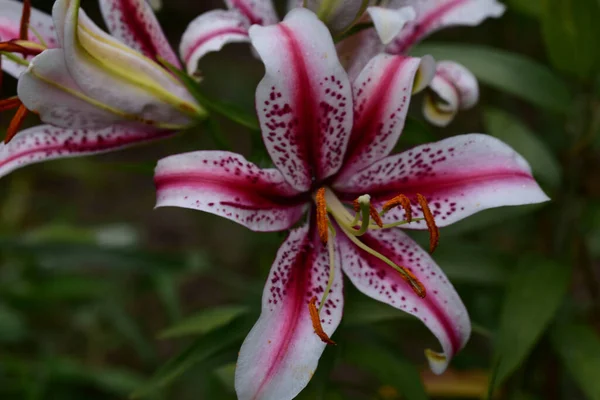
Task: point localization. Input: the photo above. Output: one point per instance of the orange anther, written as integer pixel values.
(414, 283)
(322, 225)
(316, 321)
(10, 103)
(375, 216)
(402, 201)
(15, 124)
(356, 205)
(434, 231)
(25, 15)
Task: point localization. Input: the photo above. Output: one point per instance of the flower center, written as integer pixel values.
(331, 212)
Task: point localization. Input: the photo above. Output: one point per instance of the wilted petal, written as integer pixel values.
(304, 102)
(260, 12)
(389, 22)
(433, 15)
(134, 23)
(441, 310)
(10, 19)
(45, 142)
(281, 352)
(210, 32)
(382, 95)
(112, 73)
(458, 176)
(225, 184)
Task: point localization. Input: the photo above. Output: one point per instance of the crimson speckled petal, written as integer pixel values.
(226, 184)
(281, 353)
(261, 12)
(304, 102)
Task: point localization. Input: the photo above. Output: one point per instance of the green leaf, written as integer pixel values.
(532, 8)
(388, 366)
(511, 131)
(570, 29)
(12, 325)
(533, 295)
(579, 349)
(508, 72)
(207, 346)
(204, 322)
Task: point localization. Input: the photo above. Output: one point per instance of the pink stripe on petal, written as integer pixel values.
(441, 310)
(259, 12)
(433, 15)
(45, 142)
(304, 101)
(210, 32)
(382, 95)
(458, 176)
(225, 184)
(134, 23)
(281, 352)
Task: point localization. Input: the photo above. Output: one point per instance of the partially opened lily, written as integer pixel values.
(397, 29)
(330, 142)
(214, 29)
(96, 92)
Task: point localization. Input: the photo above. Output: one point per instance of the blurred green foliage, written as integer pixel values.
(101, 298)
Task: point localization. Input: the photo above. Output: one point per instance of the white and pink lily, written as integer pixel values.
(95, 92)
(330, 141)
(400, 24)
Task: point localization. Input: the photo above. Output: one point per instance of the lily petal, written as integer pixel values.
(304, 102)
(281, 352)
(454, 87)
(10, 18)
(381, 98)
(225, 184)
(260, 12)
(134, 23)
(441, 310)
(45, 142)
(433, 15)
(112, 73)
(389, 22)
(458, 176)
(210, 32)
(356, 51)
(338, 14)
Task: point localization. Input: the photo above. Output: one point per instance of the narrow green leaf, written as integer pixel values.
(388, 366)
(510, 130)
(533, 295)
(207, 346)
(508, 72)
(204, 322)
(579, 349)
(571, 31)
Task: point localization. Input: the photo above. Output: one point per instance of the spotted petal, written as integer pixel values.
(225, 184)
(458, 176)
(441, 310)
(260, 12)
(281, 352)
(10, 19)
(433, 15)
(210, 32)
(114, 74)
(45, 142)
(454, 87)
(382, 95)
(304, 102)
(134, 23)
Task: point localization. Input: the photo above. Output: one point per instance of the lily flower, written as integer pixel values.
(330, 142)
(94, 92)
(400, 24)
(214, 29)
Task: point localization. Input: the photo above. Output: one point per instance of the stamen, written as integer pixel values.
(414, 283)
(22, 47)
(331, 269)
(316, 322)
(375, 216)
(15, 124)
(399, 201)
(364, 204)
(24, 27)
(434, 231)
(10, 103)
(322, 224)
